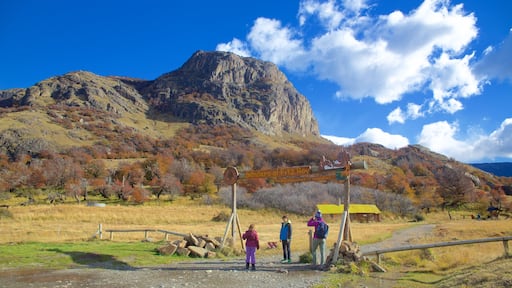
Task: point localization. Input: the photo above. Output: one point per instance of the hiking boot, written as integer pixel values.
(253, 268)
(289, 261)
(247, 266)
(284, 260)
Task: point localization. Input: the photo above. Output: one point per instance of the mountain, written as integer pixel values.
(499, 169)
(221, 87)
(217, 110)
(210, 88)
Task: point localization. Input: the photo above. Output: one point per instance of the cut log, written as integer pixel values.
(191, 240)
(197, 251)
(201, 243)
(212, 240)
(169, 249)
(210, 247)
(377, 268)
(180, 243)
(183, 251)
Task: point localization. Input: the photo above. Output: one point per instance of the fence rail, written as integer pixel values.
(145, 230)
(441, 244)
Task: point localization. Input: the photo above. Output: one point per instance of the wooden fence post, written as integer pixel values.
(505, 246)
(100, 231)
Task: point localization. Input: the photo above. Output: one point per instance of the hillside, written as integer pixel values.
(179, 131)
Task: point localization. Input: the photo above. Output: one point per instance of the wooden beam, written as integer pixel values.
(277, 172)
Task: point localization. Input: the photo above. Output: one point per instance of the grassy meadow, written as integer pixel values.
(53, 235)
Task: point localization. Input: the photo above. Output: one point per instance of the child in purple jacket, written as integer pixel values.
(252, 243)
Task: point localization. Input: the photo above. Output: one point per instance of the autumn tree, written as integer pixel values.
(453, 186)
(167, 184)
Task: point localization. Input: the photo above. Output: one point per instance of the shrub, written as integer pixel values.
(302, 198)
(221, 217)
(4, 213)
(306, 258)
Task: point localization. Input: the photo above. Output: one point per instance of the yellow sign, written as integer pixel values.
(277, 173)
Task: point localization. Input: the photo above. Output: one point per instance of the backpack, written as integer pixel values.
(322, 230)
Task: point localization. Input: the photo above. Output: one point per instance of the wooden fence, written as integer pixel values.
(145, 230)
(377, 253)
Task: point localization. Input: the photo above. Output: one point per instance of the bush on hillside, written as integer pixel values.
(302, 198)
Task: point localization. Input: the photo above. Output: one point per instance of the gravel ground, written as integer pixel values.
(190, 274)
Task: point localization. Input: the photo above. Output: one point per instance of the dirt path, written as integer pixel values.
(401, 238)
(205, 273)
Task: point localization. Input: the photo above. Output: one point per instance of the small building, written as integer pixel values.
(363, 213)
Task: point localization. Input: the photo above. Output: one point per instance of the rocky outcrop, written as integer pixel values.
(85, 89)
(211, 88)
(221, 87)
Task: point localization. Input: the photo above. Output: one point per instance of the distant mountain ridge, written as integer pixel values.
(210, 88)
(503, 169)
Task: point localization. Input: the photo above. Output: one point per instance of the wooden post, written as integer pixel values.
(240, 232)
(231, 177)
(346, 206)
(111, 235)
(100, 231)
(145, 234)
(233, 212)
(505, 246)
(345, 233)
(230, 221)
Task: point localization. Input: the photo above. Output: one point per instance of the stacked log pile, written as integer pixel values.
(192, 245)
(350, 252)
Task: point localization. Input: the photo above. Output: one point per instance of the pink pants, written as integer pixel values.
(250, 255)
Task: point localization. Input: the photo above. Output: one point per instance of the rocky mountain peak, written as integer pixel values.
(230, 68)
(222, 87)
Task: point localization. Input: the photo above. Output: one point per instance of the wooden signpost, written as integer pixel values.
(337, 170)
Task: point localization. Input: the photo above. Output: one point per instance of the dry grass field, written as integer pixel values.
(75, 223)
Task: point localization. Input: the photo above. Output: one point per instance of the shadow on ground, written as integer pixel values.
(95, 260)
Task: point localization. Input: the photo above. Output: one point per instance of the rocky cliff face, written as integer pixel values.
(211, 87)
(85, 89)
(221, 87)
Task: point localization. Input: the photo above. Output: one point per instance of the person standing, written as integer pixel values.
(252, 243)
(285, 236)
(321, 230)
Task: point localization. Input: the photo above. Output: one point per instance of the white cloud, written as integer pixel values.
(236, 46)
(343, 141)
(276, 44)
(372, 135)
(328, 12)
(441, 137)
(414, 111)
(396, 116)
(383, 57)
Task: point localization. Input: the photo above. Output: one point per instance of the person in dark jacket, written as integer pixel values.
(252, 243)
(285, 236)
(317, 241)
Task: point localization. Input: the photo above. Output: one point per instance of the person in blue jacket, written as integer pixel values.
(285, 236)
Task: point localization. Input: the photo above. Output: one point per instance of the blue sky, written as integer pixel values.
(436, 73)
